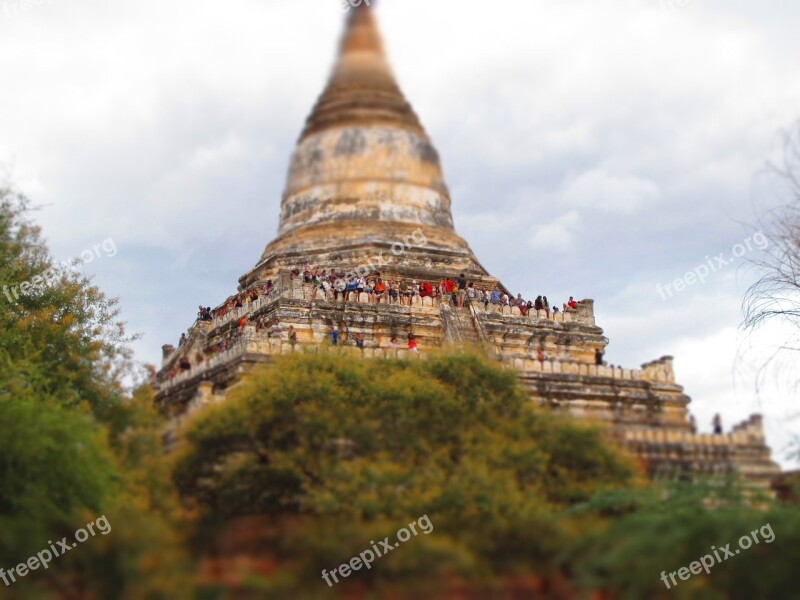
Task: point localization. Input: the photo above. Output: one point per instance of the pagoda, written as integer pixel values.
(366, 194)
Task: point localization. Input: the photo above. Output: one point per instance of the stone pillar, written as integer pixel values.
(586, 311)
(167, 350)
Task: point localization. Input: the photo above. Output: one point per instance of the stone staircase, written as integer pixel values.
(459, 325)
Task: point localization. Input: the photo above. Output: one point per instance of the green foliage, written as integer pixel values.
(360, 447)
(63, 340)
(73, 444)
(53, 464)
(333, 453)
(674, 527)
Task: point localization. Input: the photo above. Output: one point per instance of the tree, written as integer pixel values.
(352, 449)
(61, 336)
(662, 530)
(774, 298)
(74, 445)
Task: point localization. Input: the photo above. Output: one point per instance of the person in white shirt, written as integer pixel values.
(339, 286)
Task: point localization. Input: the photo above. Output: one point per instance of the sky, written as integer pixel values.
(592, 148)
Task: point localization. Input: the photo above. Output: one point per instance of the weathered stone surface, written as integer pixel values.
(365, 177)
(365, 189)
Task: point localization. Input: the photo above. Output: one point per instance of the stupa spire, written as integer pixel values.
(362, 89)
(365, 177)
(361, 32)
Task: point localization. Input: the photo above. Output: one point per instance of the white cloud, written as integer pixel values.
(598, 190)
(557, 236)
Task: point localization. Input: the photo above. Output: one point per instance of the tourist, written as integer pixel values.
(462, 281)
(393, 293)
(315, 285)
(361, 285)
(546, 306)
(380, 290)
(360, 340)
(393, 343)
(571, 306)
(461, 294)
(370, 290)
(717, 424)
(460, 289)
(292, 335)
(339, 287)
(403, 291)
(412, 343)
(496, 294)
(351, 288)
(334, 333)
(471, 293)
(325, 286)
(275, 330)
(540, 355)
(448, 285)
(182, 341)
(598, 357)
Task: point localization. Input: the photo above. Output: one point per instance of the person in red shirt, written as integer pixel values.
(380, 290)
(412, 342)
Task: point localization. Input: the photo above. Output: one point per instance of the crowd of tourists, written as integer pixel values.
(331, 285)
